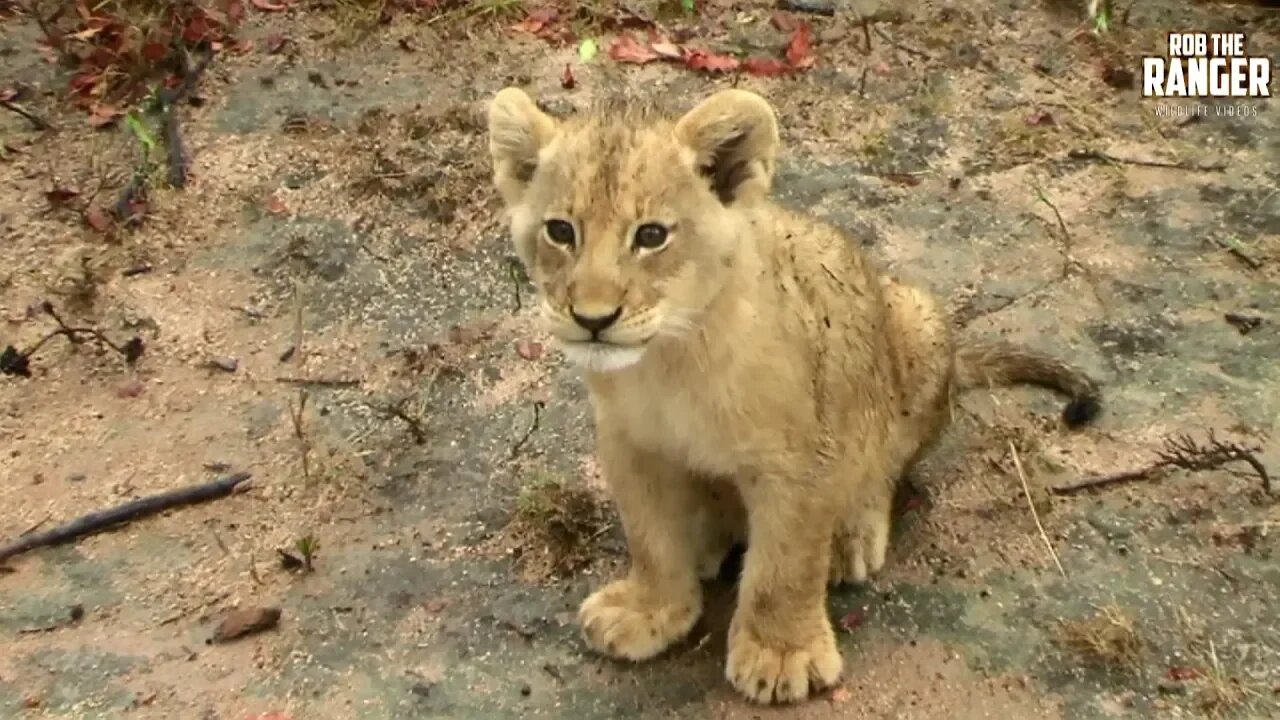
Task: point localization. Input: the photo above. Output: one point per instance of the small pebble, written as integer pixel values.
(226, 364)
(525, 690)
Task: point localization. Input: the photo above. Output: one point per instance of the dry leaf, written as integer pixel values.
(711, 62)
(276, 206)
(97, 218)
(239, 623)
(765, 67)
(274, 43)
(800, 48)
(529, 349)
(566, 79)
(60, 195)
(266, 6)
(841, 695)
(625, 49)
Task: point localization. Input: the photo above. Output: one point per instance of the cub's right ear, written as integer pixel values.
(518, 130)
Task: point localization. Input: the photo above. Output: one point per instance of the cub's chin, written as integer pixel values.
(602, 357)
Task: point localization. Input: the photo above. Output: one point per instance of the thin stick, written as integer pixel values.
(1099, 156)
(1098, 481)
(103, 519)
(36, 121)
(1035, 515)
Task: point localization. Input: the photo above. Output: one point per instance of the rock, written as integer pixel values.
(226, 364)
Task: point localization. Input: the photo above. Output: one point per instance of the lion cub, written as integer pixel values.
(752, 376)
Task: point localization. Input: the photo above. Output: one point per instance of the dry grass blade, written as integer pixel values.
(1026, 491)
(1109, 637)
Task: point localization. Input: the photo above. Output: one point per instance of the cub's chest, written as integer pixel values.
(685, 424)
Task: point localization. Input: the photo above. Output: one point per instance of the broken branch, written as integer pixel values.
(36, 121)
(1099, 156)
(104, 519)
(1183, 452)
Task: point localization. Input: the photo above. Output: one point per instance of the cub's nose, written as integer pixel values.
(596, 324)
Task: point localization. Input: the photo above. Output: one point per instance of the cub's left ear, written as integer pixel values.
(734, 137)
(518, 130)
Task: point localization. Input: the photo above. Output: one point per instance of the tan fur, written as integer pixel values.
(763, 381)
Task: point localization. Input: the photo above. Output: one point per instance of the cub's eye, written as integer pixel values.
(560, 232)
(650, 236)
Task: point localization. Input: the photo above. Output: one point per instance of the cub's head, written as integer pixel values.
(628, 220)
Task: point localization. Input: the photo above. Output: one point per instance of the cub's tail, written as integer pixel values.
(983, 363)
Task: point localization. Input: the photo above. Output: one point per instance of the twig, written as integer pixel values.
(36, 121)
(904, 48)
(1234, 247)
(169, 99)
(397, 411)
(13, 362)
(1099, 156)
(319, 382)
(35, 527)
(1098, 481)
(104, 519)
(1026, 490)
(1180, 451)
(533, 427)
(513, 271)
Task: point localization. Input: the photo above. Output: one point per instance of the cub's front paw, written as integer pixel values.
(860, 547)
(623, 620)
(782, 674)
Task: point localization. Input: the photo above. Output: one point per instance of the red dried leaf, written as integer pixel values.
(853, 620)
(625, 49)
(84, 83)
(566, 79)
(235, 11)
(765, 67)
(1181, 673)
(529, 349)
(783, 21)
(841, 695)
(7, 94)
(800, 48)
(536, 21)
(101, 115)
(196, 30)
(274, 43)
(97, 218)
(154, 51)
(267, 6)
(881, 68)
(1040, 117)
(276, 206)
(710, 62)
(60, 195)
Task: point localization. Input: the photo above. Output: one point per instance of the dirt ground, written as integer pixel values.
(434, 449)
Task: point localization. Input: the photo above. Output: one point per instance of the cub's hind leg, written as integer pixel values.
(920, 350)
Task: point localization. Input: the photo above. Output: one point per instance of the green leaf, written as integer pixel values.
(587, 50)
(140, 131)
(689, 7)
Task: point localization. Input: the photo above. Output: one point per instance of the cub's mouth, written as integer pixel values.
(601, 355)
